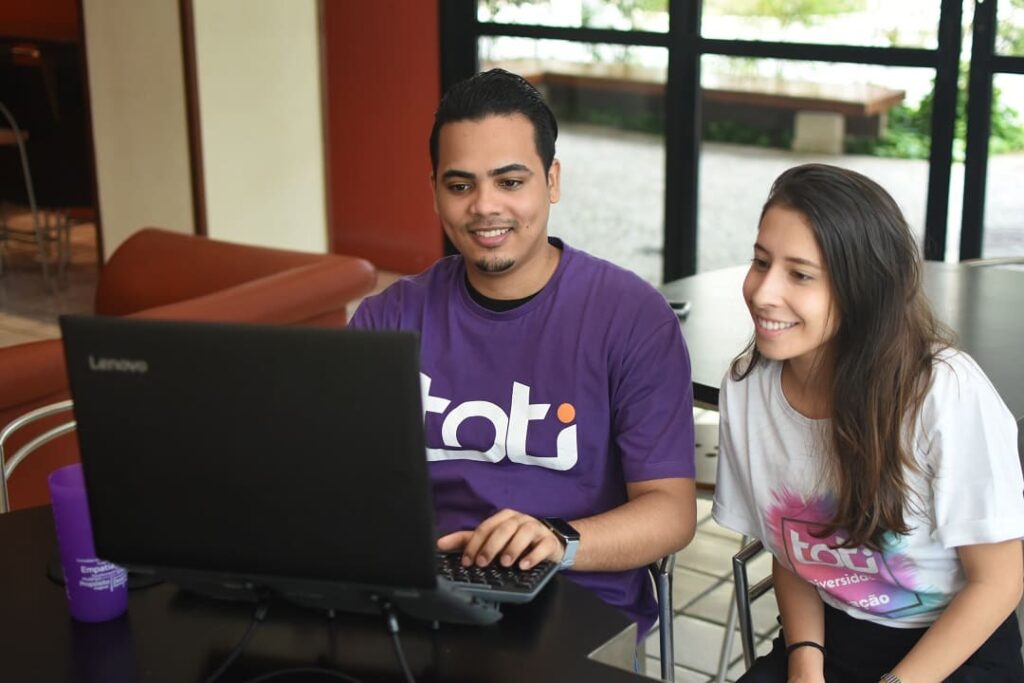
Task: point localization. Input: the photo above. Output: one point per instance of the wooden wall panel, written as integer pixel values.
(381, 71)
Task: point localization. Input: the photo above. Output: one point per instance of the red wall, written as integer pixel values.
(382, 83)
(55, 20)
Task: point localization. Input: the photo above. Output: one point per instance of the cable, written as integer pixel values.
(305, 670)
(392, 623)
(257, 618)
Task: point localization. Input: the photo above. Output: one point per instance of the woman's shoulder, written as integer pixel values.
(960, 387)
(954, 369)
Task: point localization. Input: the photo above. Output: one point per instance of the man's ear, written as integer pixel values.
(433, 190)
(554, 181)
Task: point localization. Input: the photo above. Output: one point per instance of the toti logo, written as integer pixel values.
(509, 428)
(871, 581)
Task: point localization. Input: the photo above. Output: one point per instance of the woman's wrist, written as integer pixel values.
(805, 663)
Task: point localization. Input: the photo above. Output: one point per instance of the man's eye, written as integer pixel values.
(510, 183)
(458, 187)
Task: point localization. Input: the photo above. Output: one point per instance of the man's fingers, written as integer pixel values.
(526, 537)
(506, 536)
(494, 543)
(454, 541)
(548, 548)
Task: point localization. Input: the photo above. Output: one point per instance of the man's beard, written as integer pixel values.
(497, 264)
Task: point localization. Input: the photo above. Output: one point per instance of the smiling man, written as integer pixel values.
(556, 386)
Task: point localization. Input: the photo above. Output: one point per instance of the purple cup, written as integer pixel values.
(97, 590)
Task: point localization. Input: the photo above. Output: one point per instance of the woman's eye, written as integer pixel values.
(759, 263)
(801, 277)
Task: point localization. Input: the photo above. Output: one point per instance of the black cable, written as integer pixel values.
(392, 623)
(257, 618)
(305, 670)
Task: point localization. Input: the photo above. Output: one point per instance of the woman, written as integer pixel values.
(873, 459)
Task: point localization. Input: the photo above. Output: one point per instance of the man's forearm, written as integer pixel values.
(659, 518)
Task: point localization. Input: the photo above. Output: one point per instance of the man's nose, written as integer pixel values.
(486, 200)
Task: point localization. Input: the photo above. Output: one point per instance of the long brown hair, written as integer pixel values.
(884, 348)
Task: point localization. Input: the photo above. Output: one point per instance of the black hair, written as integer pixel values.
(497, 93)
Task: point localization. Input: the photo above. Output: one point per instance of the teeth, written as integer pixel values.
(492, 233)
(773, 326)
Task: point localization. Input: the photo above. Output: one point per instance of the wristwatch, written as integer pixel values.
(569, 537)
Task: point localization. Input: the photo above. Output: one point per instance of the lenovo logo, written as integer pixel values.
(118, 365)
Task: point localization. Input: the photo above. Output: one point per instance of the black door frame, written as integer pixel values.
(985, 63)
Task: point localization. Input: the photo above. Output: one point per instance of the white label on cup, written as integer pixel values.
(98, 575)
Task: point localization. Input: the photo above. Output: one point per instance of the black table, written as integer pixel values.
(169, 635)
(983, 305)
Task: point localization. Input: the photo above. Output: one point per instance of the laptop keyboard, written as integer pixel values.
(494, 582)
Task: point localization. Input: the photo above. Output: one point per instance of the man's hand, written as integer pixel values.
(506, 536)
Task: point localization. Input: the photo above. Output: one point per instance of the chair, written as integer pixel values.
(35, 442)
(161, 274)
(48, 227)
(661, 571)
(746, 594)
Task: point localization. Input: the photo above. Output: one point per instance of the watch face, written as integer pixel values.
(562, 528)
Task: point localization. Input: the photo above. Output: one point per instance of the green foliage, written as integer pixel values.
(788, 12)
(742, 134)
(1010, 37)
(613, 118)
(909, 132)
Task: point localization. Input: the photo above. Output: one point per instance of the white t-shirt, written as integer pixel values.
(971, 491)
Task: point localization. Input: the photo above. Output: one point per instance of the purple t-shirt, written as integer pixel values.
(551, 407)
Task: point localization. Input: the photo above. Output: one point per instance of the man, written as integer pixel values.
(556, 386)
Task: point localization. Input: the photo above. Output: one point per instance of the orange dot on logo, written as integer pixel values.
(566, 413)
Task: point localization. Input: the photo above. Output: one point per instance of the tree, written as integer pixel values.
(788, 12)
(1010, 36)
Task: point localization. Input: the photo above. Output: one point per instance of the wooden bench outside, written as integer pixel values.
(820, 115)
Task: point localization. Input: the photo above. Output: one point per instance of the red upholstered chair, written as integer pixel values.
(168, 275)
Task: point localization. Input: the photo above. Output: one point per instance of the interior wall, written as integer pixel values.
(382, 80)
(140, 135)
(258, 77)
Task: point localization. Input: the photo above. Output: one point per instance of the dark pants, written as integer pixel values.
(861, 651)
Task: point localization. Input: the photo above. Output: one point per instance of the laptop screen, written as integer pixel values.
(248, 450)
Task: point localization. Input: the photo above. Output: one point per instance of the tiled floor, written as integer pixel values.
(702, 586)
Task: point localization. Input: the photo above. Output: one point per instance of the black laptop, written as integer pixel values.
(239, 459)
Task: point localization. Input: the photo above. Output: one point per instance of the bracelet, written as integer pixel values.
(890, 677)
(816, 646)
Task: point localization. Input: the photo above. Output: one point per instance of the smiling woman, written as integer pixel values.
(872, 458)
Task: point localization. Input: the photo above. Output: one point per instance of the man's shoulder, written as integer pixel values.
(609, 280)
(408, 294)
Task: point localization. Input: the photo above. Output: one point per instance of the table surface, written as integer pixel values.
(983, 305)
(169, 635)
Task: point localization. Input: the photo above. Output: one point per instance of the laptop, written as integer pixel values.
(242, 459)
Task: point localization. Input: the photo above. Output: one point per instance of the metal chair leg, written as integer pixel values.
(662, 573)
